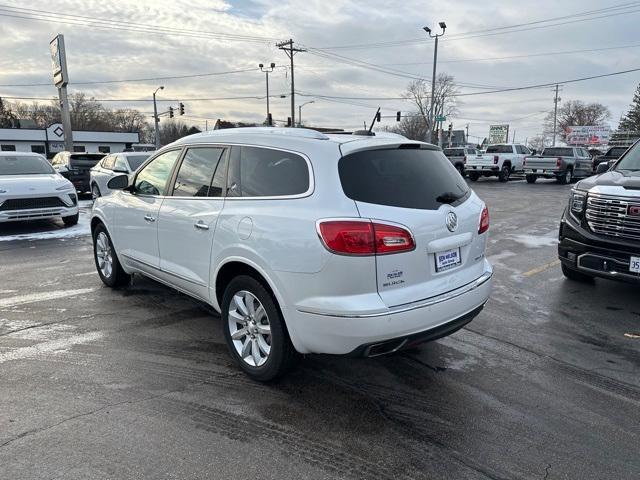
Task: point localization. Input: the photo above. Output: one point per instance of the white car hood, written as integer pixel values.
(32, 184)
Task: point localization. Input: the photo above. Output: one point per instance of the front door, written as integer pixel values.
(188, 218)
(136, 226)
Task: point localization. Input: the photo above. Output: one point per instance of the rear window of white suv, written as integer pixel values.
(402, 177)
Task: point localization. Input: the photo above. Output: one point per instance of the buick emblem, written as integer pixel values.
(451, 221)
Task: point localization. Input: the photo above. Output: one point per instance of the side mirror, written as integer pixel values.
(61, 169)
(602, 168)
(119, 182)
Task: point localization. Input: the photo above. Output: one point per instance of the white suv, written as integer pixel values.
(304, 242)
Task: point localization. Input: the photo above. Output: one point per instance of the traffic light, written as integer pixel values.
(181, 106)
(450, 128)
(378, 117)
(170, 112)
(398, 116)
(269, 120)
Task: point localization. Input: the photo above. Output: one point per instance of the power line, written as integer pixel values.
(100, 82)
(605, 12)
(165, 100)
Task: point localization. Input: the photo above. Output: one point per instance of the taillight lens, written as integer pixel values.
(524, 161)
(496, 158)
(484, 221)
(348, 237)
(464, 160)
(558, 161)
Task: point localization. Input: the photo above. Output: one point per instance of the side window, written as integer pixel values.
(263, 172)
(107, 162)
(120, 164)
(152, 179)
(196, 172)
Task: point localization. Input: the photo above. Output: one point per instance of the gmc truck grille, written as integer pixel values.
(614, 216)
(31, 203)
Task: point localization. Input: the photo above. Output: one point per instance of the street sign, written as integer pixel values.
(58, 61)
(498, 134)
(441, 118)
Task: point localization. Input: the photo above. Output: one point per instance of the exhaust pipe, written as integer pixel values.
(384, 348)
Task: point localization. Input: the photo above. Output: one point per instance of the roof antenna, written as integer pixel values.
(375, 117)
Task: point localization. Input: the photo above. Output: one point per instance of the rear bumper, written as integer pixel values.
(543, 172)
(597, 258)
(356, 334)
(482, 168)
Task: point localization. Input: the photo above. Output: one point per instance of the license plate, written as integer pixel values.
(634, 264)
(449, 259)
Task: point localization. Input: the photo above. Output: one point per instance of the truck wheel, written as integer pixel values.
(566, 177)
(505, 173)
(460, 169)
(532, 178)
(474, 176)
(255, 330)
(576, 276)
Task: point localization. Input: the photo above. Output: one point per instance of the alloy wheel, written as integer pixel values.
(249, 328)
(104, 254)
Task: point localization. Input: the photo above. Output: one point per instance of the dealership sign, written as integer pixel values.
(588, 135)
(58, 61)
(498, 134)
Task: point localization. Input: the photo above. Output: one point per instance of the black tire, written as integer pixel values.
(460, 169)
(282, 354)
(531, 178)
(505, 173)
(71, 220)
(566, 177)
(576, 276)
(95, 192)
(474, 176)
(117, 277)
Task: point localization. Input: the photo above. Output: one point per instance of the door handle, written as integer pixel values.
(149, 218)
(201, 226)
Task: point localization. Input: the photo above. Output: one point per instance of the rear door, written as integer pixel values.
(188, 218)
(419, 189)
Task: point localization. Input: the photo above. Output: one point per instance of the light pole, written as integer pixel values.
(443, 26)
(300, 111)
(156, 120)
(267, 71)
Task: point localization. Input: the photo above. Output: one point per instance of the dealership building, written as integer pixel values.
(49, 141)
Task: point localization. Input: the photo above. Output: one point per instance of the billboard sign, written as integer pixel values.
(588, 134)
(498, 134)
(58, 61)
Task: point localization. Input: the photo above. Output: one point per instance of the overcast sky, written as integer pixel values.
(114, 51)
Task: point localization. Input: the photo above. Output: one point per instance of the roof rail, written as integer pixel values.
(293, 132)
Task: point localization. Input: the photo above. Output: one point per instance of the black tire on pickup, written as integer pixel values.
(531, 178)
(460, 168)
(505, 173)
(474, 176)
(566, 177)
(576, 276)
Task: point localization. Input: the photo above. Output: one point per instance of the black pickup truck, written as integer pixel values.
(612, 154)
(600, 228)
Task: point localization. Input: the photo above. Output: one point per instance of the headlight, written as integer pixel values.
(577, 202)
(66, 186)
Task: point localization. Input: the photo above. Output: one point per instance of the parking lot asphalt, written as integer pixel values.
(137, 383)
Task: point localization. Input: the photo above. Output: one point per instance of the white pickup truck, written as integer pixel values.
(498, 161)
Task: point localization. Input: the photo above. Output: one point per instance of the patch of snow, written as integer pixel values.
(42, 296)
(536, 241)
(49, 347)
(81, 229)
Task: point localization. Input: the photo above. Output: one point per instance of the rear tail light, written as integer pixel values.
(558, 161)
(496, 158)
(484, 221)
(464, 160)
(524, 161)
(352, 237)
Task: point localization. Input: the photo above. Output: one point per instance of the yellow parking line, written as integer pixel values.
(541, 268)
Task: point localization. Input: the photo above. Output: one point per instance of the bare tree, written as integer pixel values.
(538, 142)
(414, 127)
(419, 94)
(172, 130)
(578, 113)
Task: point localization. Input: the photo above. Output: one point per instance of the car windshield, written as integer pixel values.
(558, 152)
(401, 177)
(24, 165)
(136, 160)
(616, 151)
(631, 161)
(453, 152)
(500, 149)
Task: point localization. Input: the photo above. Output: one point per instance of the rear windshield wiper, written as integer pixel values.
(449, 197)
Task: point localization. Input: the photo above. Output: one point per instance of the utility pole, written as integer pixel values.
(288, 48)
(156, 119)
(443, 26)
(267, 71)
(513, 139)
(555, 116)
(467, 128)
